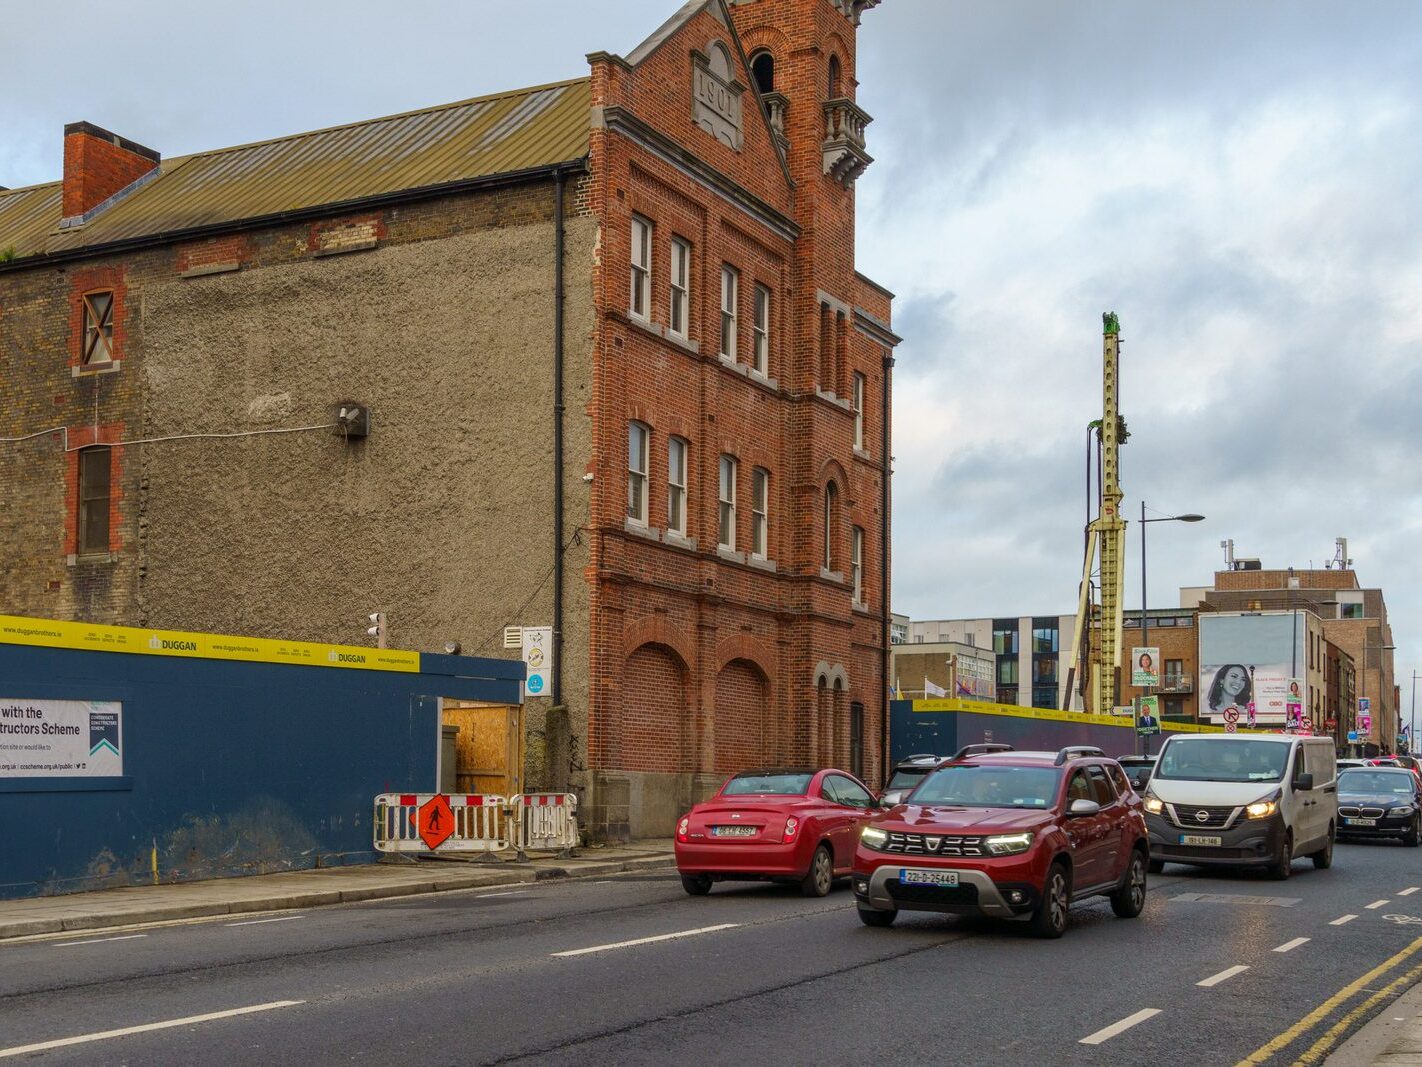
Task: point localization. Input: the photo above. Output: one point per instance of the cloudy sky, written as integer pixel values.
(1238, 180)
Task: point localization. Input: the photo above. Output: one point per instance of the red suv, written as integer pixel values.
(1007, 834)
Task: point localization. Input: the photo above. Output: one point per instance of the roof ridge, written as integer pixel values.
(389, 118)
(6, 193)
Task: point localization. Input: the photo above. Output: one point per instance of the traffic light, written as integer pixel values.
(379, 630)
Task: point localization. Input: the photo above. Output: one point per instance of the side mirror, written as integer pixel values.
(1079, 808)
(1139, 781)
(1304, 781)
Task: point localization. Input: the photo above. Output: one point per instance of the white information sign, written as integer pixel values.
(538, 657)
(60, 738)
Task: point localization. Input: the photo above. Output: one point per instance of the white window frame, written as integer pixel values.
(760, 353)
(760, 513)
(726, 501)
(730, 295)
(679, 302)
(858, 392)
(640, 305)
(637, 477)
(677, 450)
(856, 563)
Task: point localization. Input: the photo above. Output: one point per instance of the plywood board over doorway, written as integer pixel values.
(488, 748)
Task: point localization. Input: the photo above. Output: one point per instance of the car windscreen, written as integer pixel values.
(789, 785)
(1198, 760)
(907, 779)
(1375, 782)
(975, 786)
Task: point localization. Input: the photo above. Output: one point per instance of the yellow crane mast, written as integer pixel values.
(1107, 533)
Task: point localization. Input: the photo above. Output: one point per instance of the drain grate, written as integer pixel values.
(1237, 898)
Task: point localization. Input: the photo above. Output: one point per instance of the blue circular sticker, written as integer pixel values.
(535, 683)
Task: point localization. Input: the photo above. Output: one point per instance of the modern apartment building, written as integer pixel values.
(1032, 653)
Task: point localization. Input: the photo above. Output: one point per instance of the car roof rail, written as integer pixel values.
(1073, 751)
(920, 755)
(979, 750)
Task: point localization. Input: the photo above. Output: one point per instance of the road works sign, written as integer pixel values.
(435, 821)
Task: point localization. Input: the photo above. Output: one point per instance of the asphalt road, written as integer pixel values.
(752, 973)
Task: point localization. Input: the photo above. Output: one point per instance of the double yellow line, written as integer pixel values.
(1315, 1052)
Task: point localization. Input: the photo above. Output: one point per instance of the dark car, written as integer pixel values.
(1380, 802)
(1007, 834)
(1138, 769)
(908, 772)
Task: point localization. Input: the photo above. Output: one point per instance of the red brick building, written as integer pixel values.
(621, 373)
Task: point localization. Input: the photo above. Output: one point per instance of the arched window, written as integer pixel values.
(836, 79)
(831, 523)
(762, 66)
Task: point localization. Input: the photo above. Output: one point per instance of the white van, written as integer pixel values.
(1243, 799)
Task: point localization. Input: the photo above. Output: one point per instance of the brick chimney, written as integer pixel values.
(98, 164)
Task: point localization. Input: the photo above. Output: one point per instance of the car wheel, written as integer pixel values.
(1156, 866)
(820, 878)
(1129, 900)
(1050, 918)
(1323, 858)
(1413, 837)
(698, 885)
(1283, 863)
(870, 917)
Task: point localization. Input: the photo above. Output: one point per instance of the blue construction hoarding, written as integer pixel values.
(941, 727)
(129, 756)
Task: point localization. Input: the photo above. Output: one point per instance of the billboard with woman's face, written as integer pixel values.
(1247, 661)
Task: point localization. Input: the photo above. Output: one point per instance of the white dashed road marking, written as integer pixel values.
(510, 893)
(1289, 946)
(1342, 919)
(1115, 1028)
(1224, 975)
(1407, 892)
(99, 940)
(258, 922)
(647, 940)
(104, 1035)
(1378, 904)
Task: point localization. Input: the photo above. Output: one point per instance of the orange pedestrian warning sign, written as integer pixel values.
(436, 821)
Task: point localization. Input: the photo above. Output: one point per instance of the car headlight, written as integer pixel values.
(873, 837)
(1153, 804)
(1261, 809)
(1008, 844)
(1405, 809)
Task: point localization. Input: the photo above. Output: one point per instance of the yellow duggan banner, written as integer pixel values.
(51, 633)
(979, 707)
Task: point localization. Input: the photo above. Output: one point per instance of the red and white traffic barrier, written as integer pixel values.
(544, 821)
(440, 822)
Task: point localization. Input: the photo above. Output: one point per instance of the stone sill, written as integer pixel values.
(832, 576)
(661, 333)
(676, 540)
(75, 560)
(730, 554)
(649, 532)
(762, 564)
(210, 268)
(102, 368)
(744, 370)
(860, 453)
(341, 249)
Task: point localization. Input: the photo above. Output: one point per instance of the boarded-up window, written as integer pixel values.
(98, 329)
(94, 493)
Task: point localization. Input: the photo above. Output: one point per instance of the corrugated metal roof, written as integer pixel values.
(476, 138)
(26, 216)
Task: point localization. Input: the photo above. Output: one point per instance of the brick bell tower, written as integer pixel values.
(802, 57)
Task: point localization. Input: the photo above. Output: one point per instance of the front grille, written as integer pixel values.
(965, 895)
(1187, 816)
(1351, 811)
(933, 845)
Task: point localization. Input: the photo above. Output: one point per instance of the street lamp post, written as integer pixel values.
(1145, 616)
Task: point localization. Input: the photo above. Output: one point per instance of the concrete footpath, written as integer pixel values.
(1392, 1039)
(309, 889)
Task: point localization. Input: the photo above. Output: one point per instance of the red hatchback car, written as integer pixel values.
(783, 824)
(1008, 834)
